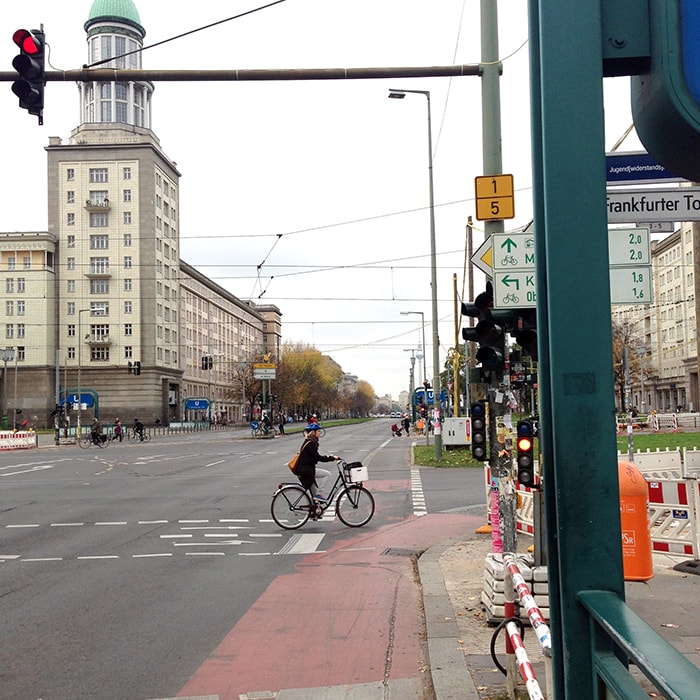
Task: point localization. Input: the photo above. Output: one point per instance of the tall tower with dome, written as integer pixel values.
(114, 210)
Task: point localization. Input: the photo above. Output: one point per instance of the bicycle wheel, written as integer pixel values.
(146, 437)
(355, 506)
(85, 442)
(291, 507)
(102, 443)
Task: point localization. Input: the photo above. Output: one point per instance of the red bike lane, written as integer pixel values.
(350, 615)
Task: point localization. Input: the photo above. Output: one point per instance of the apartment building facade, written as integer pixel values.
(116, 317)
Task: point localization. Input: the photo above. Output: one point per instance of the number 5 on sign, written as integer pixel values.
(494, 197)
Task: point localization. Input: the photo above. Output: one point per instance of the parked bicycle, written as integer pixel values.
(292, 505)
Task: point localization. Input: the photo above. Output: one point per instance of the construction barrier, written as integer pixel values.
(10, 440)
(673, 516)
(526, 671)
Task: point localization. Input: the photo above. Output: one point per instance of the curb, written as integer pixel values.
(448, 666)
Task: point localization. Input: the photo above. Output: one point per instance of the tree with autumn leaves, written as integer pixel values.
(310, 382)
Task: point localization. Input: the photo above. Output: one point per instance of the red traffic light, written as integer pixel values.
(27, 42)
(524, 444)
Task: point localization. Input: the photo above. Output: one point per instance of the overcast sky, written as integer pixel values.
(310, 195)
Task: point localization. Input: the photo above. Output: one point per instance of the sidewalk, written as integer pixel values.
(459, 638)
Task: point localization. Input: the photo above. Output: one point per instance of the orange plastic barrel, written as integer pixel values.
(634, 517)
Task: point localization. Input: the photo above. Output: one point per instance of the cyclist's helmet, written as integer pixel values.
(313, 426)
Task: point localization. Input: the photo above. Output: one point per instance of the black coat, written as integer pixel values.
(309, 457)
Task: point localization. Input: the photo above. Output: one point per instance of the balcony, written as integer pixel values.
(102, 205)
(94, 340)
(101, 271)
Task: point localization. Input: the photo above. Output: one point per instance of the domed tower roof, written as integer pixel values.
(122, 11)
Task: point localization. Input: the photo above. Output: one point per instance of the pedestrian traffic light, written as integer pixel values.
(137, 367)
(478, 430)
(207, 361)
(30, 64)
(129, 367)
(525, 458)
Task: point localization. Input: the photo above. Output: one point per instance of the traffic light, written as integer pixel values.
(29, 63)
(525, 459)
(129, 367)
(137, 367)
(526, 332)
(207, 361)
(478, 430)
(490, 331)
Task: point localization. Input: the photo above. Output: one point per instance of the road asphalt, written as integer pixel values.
(456, 636)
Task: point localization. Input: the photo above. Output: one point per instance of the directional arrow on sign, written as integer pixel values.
(508, 281)
(483, 258)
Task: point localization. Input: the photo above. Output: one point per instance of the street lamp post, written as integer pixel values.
(80, 365)
(6, 355)
(400, 94)
(421, 357)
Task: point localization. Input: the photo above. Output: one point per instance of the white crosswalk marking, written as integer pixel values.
(417, 494)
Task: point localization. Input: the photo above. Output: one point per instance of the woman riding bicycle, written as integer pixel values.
(309, 456)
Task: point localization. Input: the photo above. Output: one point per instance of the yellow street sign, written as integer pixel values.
(495, 198)
(264, 365)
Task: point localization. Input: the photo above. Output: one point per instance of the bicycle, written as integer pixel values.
(133, 436)
(87, 440)
(292, 505)
(258, 430)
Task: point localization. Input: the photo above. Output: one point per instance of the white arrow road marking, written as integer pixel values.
(302, 544)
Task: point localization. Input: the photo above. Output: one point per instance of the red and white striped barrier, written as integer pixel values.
(10, 440)
(534, 614)
(674, 520)
(526, 670)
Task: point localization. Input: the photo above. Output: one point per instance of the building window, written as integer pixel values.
(10, 285)
(127, 307)
(127, 240)
(9, 330)
(127, 195)
(9, 308)
(98, 198)
(70, 241)
(99, 219)
(70, 263)
(99, 353)
(127, 262)
(21, 354)
(99, 286)
(70, 219)
(99, 308)
(127, 217)
(70, 174)
(71, 353)
(99, 242)
(11, 263)
(27, 262)
(126, 173)
(99, 174)
(128, 352)
(128, 329)
(20, 330)
(70, 308)
(99, 266)
(21, 307)
(70, 286)
(127, 284)
(71, 330)
(99, 331)
(70, 197)
(21, 285)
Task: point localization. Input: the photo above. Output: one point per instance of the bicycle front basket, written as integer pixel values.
(358, 473)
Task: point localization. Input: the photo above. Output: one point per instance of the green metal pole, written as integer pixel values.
(583, 532)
